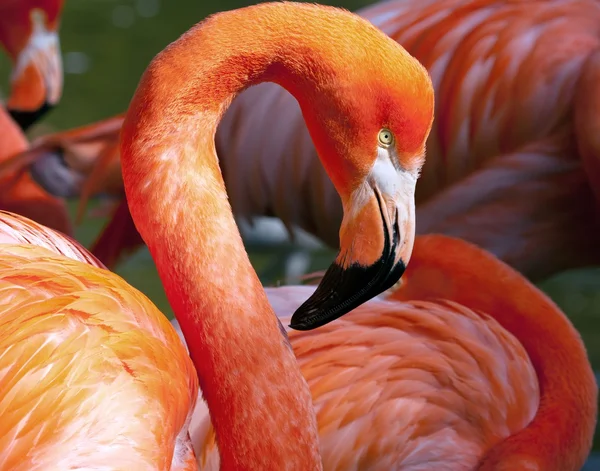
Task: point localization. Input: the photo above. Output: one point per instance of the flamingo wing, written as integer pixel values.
(397, 386)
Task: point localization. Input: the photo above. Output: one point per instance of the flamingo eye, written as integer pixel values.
(385, 138)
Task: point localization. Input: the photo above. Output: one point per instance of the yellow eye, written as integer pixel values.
(386, 138)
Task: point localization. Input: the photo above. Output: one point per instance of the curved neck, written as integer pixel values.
(560, 435)
(259, 403)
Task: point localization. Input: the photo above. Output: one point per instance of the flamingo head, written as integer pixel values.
(370, 134)
(29, 35)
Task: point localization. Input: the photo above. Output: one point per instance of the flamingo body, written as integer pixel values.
(17, 229)
(396, 384)
(404, 386)
(92, 374)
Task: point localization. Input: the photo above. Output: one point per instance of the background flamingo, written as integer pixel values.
(29, 34)
(505, 174)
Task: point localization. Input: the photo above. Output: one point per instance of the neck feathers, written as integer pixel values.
(260, 405)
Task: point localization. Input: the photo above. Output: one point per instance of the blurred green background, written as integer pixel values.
(107, 44)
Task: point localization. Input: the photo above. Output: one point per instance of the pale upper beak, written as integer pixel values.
(376, 241)
(37, 77)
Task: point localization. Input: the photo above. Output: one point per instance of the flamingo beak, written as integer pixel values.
(376, 240)
(37, 78)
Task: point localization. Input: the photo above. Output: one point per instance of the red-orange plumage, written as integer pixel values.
(563, 428)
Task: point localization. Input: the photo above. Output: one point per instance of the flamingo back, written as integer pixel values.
(404, 386)
(17, 229)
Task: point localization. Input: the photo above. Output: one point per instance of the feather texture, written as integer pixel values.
(92, 374)
(406, 386)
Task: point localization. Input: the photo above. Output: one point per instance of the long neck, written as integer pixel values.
(560, 435)
(260, 405)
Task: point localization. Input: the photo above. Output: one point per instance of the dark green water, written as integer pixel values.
(106, 46)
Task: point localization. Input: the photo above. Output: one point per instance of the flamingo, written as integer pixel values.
(36, 80)
(154, 142)
(259, 403)
(454, 369)
(29, 34)
(512, 165)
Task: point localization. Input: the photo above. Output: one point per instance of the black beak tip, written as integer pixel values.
(301, 326)
(26, 118)
(304, 320)
(342, 290)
